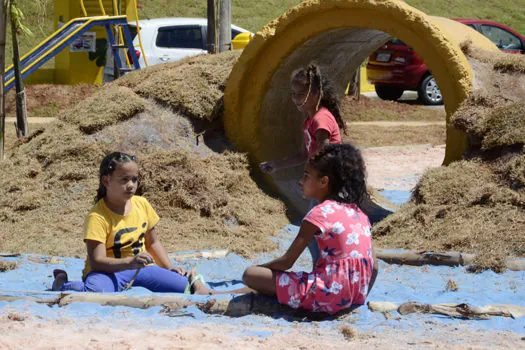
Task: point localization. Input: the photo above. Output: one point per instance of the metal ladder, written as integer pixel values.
(127, 44)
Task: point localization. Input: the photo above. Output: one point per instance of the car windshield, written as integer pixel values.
(396, 41)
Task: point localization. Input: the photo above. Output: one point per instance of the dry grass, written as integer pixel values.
(349, 332)
(193, 86)
(7, 266)
(205, 199)
(476, 205)
(367, 109)
(376, 136)
(109, 105)
(501, 62)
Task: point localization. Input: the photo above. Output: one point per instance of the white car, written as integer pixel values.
(169, 39)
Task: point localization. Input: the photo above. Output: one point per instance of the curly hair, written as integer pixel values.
(317, 82)
(107, 167)
(345, 168)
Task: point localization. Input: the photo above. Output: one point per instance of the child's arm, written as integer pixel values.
(285, 262)
(322, 138)
(157, 251)
(288, 162)
(375, 269)
(99, 261)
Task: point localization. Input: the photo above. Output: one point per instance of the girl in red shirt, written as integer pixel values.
(315, 97)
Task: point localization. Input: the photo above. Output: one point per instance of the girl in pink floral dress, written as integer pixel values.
(347, 268)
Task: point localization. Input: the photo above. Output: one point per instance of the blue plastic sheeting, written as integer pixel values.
(395, 283)
(396, 196)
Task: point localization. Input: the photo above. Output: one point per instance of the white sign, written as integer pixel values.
(85, 43)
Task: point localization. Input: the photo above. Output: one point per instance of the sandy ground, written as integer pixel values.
(399, 168)
(97, 334)
(388, 167)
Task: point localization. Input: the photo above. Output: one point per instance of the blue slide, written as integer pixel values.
(61, 39)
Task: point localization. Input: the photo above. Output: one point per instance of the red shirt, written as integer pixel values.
(322, 120)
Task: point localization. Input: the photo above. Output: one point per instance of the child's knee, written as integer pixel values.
(247, 276)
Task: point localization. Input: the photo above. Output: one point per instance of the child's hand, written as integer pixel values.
(268, 167)
(141, 259)
(180, 271)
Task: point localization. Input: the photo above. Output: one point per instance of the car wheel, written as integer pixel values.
(429, 92)
(388, 93)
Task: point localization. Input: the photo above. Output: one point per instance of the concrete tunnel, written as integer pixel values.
(260, 118)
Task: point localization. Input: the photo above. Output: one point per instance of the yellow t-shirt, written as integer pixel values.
(123, 235)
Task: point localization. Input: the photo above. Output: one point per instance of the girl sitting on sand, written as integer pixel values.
(121, 242)
(347, 268)
(315, 97)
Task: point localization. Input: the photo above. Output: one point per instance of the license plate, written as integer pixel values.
(383, 57)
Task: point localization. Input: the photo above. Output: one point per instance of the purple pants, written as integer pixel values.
(154, 278)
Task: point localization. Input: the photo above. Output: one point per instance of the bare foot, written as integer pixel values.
(60, 279)
(198, 286)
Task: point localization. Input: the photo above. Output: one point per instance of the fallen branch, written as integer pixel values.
(413, 258)
(208, 254)
(250, 304)
(462, 310)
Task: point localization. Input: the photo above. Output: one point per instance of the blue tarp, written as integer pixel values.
(395, 283)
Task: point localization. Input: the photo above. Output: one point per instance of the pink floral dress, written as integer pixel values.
(342, 274)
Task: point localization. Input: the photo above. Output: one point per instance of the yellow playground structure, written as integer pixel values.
(84, 31)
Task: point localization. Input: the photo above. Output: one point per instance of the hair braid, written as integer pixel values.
(328, 97)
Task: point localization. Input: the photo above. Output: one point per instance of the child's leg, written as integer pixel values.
(97, 282)
(261, 279)
(158, 279)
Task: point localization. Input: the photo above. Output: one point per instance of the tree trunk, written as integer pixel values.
(22, 129)
(212, 24)
(3, 26)
(225, 25)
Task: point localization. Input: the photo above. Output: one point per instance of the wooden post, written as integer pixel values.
(21, 108)
(3, 26)
(225, 25)
(211, 38)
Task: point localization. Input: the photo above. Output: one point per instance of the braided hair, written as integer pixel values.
(317, 82)
(345, 168)
(107, 167)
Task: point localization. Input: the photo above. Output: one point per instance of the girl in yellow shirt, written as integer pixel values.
(121, 242)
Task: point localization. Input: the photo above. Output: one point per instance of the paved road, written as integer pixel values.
(409, 97)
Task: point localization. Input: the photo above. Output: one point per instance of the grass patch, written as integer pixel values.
(109, 105)
(200, 195)
(508, 12)
(368, 109)
(377, 136)
(476, 205)
(8, 265)
(193, 86)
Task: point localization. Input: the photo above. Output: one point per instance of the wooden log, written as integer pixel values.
(143, 302)
(9, 255)
(10, 298)
(413, 258)
(250, 304)
(463, 310)
(382, 306)
(207, 254)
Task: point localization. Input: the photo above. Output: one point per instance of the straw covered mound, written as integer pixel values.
(476, 205)
(202, 191)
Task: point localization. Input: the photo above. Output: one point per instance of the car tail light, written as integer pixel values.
(137, 52)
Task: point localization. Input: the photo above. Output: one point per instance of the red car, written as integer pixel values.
(395, 67)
